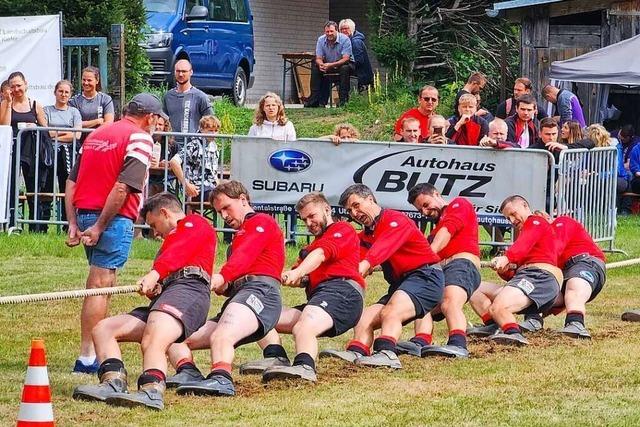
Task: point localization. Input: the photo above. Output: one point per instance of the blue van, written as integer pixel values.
(215, 35)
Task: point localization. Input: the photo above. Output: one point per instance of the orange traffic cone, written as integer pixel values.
(35, 406)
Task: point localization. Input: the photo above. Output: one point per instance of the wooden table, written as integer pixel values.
(291, 61)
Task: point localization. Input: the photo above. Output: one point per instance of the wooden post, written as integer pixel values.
(503, 71)
(118, 64)
(412, 32)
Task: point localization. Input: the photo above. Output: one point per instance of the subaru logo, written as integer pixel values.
(290, 160)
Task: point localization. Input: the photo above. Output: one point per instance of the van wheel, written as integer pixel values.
(239, 90)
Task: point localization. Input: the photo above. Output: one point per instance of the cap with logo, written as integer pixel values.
(145, 103)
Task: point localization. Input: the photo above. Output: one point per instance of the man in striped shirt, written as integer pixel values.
(103, 197)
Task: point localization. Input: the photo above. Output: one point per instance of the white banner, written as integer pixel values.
(32, 45)
(279, 173)
(5, 159)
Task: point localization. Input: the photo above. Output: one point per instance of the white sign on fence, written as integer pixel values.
(5, 159)
(32, 45)
(280, 173)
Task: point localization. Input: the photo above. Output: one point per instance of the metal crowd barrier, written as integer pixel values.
(586, 190)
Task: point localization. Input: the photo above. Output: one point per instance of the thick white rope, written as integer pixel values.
(79, 293)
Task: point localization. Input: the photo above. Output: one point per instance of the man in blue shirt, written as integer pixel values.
(334, 58)
(627, 141)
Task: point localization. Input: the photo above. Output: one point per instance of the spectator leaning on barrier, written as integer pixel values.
(571, 132)
(627, 141)
(410, 130)
(438, 127)
(196, 165)
(19, 111)
(567, 104)
(521, 87)
(497, 137)
(467, 128)
(343, 132)
(103, 196)
(522, 126)
(96, 108)
(360, 55)
(62, 115)
(334, 55)
(428, 99)
(185, 104)
(271, 121)
(475, 84)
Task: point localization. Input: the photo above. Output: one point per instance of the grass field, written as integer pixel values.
(554, 381)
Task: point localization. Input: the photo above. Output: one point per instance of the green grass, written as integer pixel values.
(554, 381)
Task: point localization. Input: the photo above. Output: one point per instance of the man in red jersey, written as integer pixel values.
(427, 104)
(583, 267)
(250, 279)
(534, 285)
(334, 291)
(178, 285)
(392, 240)
(102, 199)
(455, 240)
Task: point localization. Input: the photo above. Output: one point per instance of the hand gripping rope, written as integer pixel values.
(79, 293)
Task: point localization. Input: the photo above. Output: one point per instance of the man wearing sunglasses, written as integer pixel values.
(427, 104)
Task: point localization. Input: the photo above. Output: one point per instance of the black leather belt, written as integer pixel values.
(254, 277)
(188, 272)
(577, 258)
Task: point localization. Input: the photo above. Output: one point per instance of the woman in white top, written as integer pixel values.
(271, 121)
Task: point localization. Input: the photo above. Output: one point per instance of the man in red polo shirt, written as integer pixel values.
(392, 240)
(102, 200)
(455, 240)
(583, 267)
(333, 286)
(250, 279)
(427, 104)
(178, 285)
(530, 267)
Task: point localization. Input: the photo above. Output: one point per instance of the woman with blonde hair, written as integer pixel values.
(599, 136)
(571, 132)
(343, 132)
(271, 121)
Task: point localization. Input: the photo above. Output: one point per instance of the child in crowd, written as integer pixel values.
(343, 132)
(467, 128)
(196, 164)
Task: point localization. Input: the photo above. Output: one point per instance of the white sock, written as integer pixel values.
(87, 360)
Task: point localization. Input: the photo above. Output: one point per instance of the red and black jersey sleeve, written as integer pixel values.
(192, 243)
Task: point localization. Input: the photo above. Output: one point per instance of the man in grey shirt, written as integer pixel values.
(334, 55)
(185, 104)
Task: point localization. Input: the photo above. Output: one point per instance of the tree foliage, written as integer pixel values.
(452, 39)
(85, 18)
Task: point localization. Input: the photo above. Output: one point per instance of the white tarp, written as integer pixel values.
(32, 45)
(279, 173)
(617, 64)
(5, 158)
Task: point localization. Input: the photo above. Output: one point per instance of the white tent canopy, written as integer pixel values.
(617, 64)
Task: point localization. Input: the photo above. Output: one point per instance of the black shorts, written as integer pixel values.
(264, 300)
(540, 286)
(463, 273)
(424, 285)
(342, 300)
(588, 268)
(186, 299)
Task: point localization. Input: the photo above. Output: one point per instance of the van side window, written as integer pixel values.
(227, 10)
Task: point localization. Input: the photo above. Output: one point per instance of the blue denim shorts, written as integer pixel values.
(114, 244)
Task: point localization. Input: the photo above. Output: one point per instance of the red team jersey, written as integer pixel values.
(416, 114)
(536, 243)
(192, 243)
(459, 218)
(257, 248)
(396, 240)
(574, 240)
(341, 245)
(118, 151)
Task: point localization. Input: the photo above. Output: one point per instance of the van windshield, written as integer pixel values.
(161, 6)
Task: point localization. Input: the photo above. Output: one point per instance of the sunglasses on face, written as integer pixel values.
(428, 98)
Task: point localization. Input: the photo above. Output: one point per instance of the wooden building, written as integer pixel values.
(555, 30)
